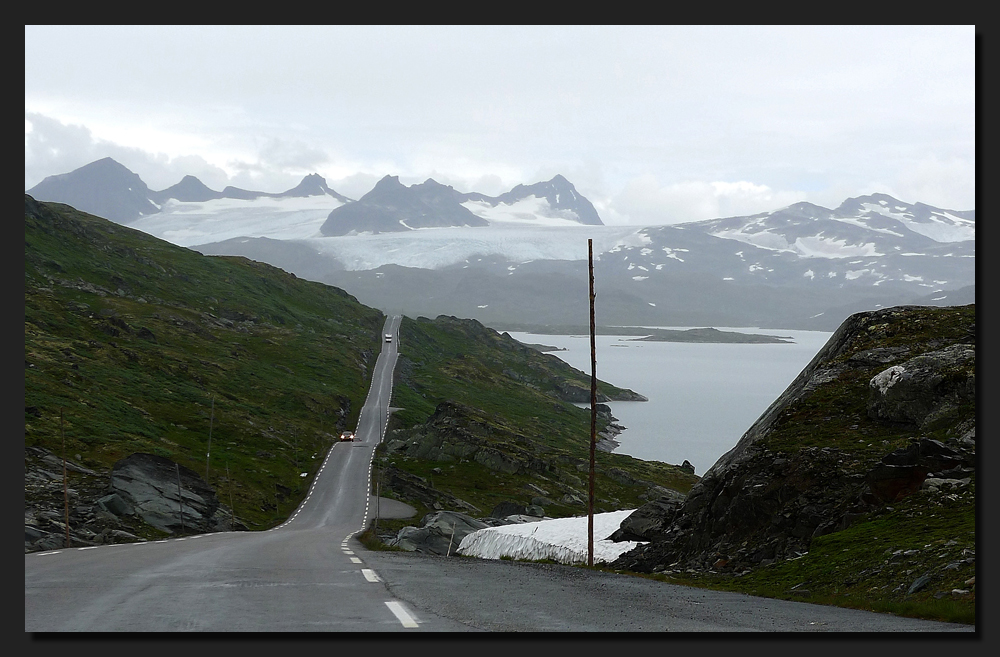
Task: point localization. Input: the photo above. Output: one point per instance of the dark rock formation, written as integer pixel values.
(166, 495)
(925, 387)
(456, 432)
(101, 514)
(508, 508)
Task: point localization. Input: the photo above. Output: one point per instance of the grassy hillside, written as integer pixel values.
(135, 345)
(142, 346)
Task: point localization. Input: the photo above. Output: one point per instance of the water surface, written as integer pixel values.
(702, 397)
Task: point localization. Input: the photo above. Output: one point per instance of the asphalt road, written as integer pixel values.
(301, 576)
(310, 574)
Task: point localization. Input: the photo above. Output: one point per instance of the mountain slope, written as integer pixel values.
(135, 345)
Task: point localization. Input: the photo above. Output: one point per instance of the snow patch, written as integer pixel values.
(942, 226)
(563, 540)
(531, 210)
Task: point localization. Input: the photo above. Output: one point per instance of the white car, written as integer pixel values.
(388, 337)
(347, 437)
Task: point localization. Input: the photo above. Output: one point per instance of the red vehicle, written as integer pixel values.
(347, 437)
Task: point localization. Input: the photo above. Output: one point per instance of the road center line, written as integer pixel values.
(400, 612)
(370, 575)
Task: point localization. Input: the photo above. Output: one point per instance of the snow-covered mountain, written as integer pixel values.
(393, 207)
(110, 190)
(798, 267)
(520, 258)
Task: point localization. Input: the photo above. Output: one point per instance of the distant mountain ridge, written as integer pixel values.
(109, 189)
(406, 250)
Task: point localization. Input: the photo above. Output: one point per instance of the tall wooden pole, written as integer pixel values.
(208, 452)
(180, 496)
(232, 507)
(65, 476)
(593, 409)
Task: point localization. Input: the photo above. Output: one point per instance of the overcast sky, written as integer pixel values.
(652, 124)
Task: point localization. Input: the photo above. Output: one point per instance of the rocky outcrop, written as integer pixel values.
(925, 387)
(456, 432)
(165, 494)
(810, 466)
(414, 488)
(100, 506)
(440, 533)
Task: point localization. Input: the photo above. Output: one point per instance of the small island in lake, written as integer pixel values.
(705, 335)
(710, 335)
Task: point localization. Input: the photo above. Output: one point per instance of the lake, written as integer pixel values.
(702, 397)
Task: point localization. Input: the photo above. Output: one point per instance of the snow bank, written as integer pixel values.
(563, 540)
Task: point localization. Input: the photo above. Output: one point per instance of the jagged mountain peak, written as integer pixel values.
(104, 187)
(314, 185)
(563, 199)
(189, 189)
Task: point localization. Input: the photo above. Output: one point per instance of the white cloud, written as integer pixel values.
(949, 183)
(645, 201)
(654, 124)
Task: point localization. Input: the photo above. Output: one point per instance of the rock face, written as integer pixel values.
(901, 377)
(457, 432)
(116, 506)
(921, 390)
(165, 494)
(440, 533)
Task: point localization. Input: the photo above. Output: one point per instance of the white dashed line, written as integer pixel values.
(400, 612)
(370, 575)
